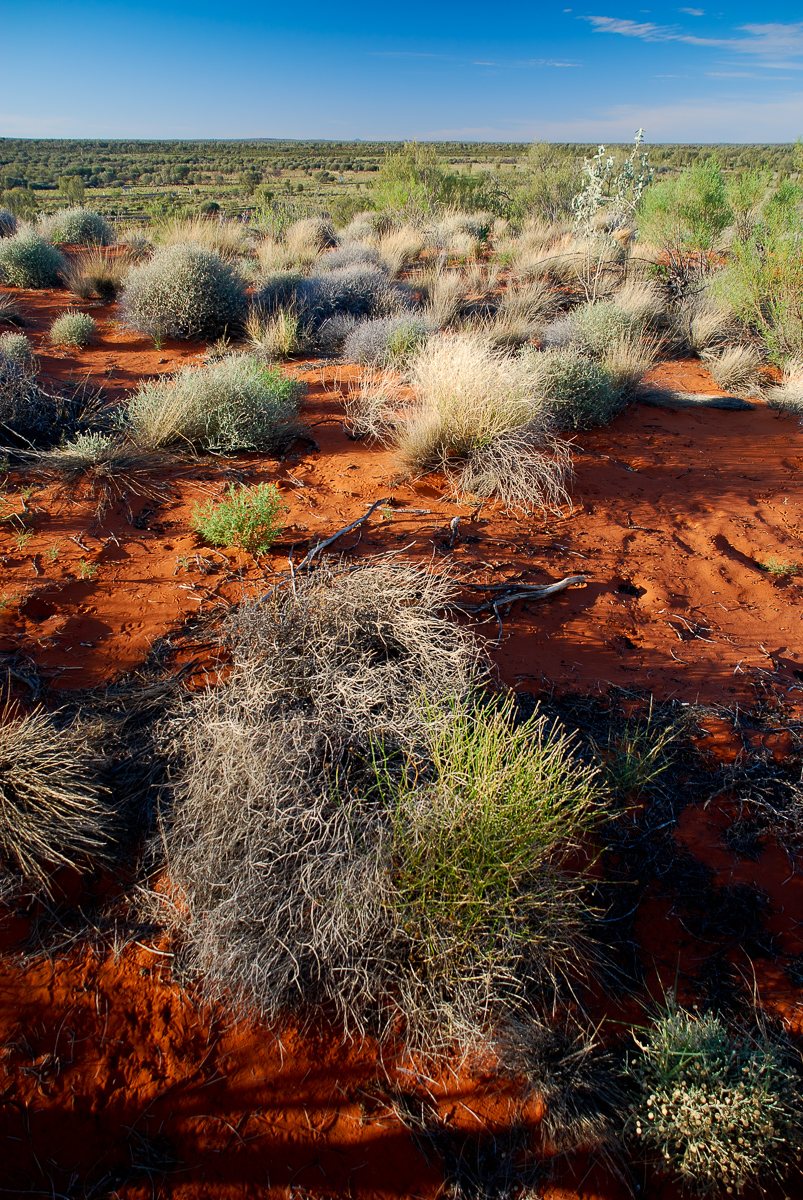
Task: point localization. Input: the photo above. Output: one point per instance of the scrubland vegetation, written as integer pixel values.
(357, 824)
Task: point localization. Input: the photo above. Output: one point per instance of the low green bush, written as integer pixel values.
(720, 1110)
(686, 212)
(77, 227)
(72, 328)
(238, 403)
(579, 392)
(28, 261)
(185, 291)
(248, 517)
(18, 348)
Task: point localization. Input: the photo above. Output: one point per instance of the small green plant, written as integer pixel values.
(28, 261)
(72, 328)
(719, 1109)
(22, 537)
(781, 568)
(86, 570)
(248, 517)
(52, 553)
(578, 391)
(636, 754)
(19, 349)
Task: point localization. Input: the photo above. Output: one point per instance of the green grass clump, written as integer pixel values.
(781, 568)
(248, 518)
(77, 227)
(720, 1110)
(238, 403)
(28, 261)
(72, 328)
(185, 291)
(479, 835)
(578, 390)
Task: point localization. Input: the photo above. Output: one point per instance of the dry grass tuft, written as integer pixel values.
(628, 359)
(471, 400)
(229, 238)
(400, 248)
(737, 370)
(96, 274)
(788, 394)
(275, 334)
(521, 312)
(52, 809)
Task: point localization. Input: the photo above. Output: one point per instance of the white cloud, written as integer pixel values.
(775, 43)
(693, 12)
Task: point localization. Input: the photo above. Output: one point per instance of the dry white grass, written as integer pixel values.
(521, 312)
(628, 359)
(737, 370)
(645, 302)
(444, 293)
(788, 394)
(310, 234)
(400, 248)
(471, 401)
(229, 238)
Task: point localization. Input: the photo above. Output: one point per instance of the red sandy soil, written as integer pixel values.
(106, 1062)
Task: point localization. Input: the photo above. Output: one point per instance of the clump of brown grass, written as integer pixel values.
(400, 248)
(443, 293)
(53, 810)
(521, 312)
(788, 394)
(628, 359)
(229, 238)
(275, 334)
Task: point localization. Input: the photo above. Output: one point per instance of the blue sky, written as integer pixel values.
(509, 71)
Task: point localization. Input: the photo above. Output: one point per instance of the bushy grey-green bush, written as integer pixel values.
(185, 291)
(27, 414)
(359, 291)
(28, 261)
(72, 328)
(384, 340)
(591, 326)
(17, 347)
(719, 1110)
(238, 403)
(277, 291)
(77, 227)
(350, 254)
(578, 390)
(8, 223)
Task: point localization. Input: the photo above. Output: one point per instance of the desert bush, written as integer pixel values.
(359, 291)
(53, 811)
(645, 302)
(72, 328)
(8, 223)
(275, 334)
(277, 291)
(384, 340)
(95, 274)
(349, 254)
(231, 405)
(444, 294)
(330, 337)
(10, 311)
(28, 261)
(19, 349)
(317, 848)
(788, 394)
(184, 291)
(27, 413)
(470, 401)
(577, 390)
(247, 517)
(737, 369)
(77, 227)
(701, 323)
(137, 242)
(719, 1110)
(746, 191)
(686, 212)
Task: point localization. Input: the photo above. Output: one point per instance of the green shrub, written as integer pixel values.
(185, 291)
(72, 328)
(236, 404)
(687, 212)
(579, 392)
(77, 227)
(249, 518)
(720, 1110)
(28, 261)
(18, 348)
(385, 340)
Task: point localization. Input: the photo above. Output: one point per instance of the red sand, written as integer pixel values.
(107, 1062)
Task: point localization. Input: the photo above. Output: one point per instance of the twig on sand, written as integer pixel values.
(519, 591)
(307, 561)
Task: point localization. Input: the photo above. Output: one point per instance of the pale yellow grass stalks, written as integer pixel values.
(522, 310)
(276, 335)
(445, 293)
(400, 248)
(645, 302)
(737, 369)
(309, 236)
(788, 394)
(628, 359)
(372, 405)
(705, 323)
(229, 238)
(275, 256)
